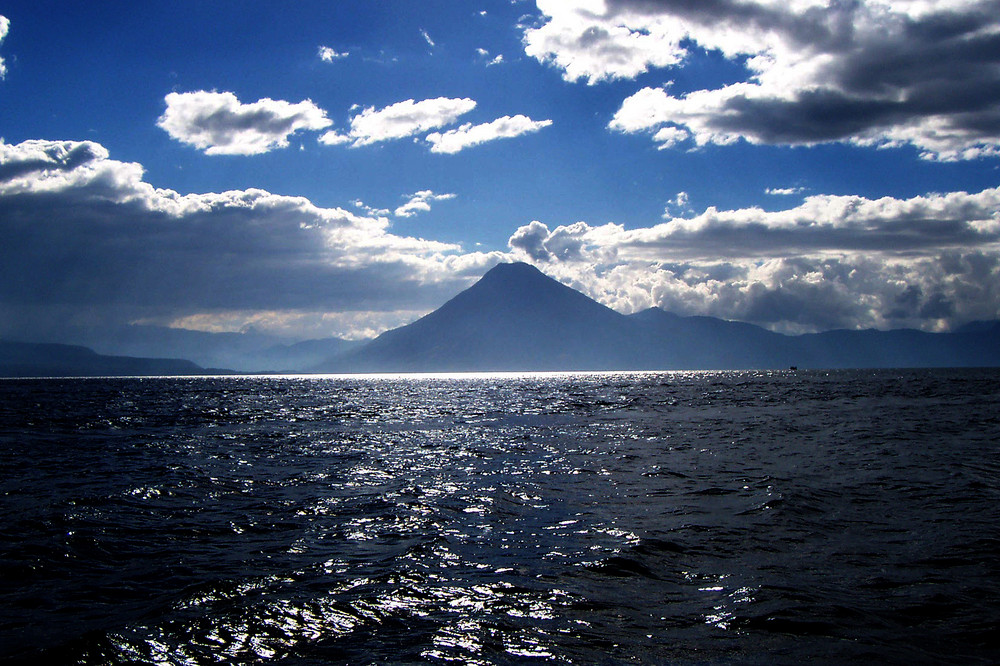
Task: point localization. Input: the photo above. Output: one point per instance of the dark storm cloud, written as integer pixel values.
(101, 253)
(814, 116)
(925, 72)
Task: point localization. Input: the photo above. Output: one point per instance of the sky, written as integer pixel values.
(314, 169)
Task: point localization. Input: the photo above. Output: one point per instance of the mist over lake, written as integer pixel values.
(684, 517)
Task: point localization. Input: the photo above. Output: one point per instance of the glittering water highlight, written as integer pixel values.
(723, 517)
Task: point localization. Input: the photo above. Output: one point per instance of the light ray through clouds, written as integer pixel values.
(90, 235)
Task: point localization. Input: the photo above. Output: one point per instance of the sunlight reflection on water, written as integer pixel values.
(616, 517)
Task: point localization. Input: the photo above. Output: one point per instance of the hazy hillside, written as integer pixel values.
(249, 351)
(22, 359)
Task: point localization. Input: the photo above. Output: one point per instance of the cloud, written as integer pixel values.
(334, 138)
(824, 223)
(410, 118)
(485, 55)
(327, 54)
(670, 136)
(86, 236)
(420, 202)
(350, 324)
(469, 135)
(530, 240)
(585, 43)
(371, 210)
(832, 262)
(400, 120)
(920, 225)
(87, 239)
(46, 157)
(868, 73)
(679, 205)
(219, 124)
(4, 29)
(784, 191)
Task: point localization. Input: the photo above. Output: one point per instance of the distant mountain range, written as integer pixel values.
(514, 318)
(517, 318)
(249, 351)
(22, 359)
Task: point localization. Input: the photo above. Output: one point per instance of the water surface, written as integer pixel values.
(687, 518)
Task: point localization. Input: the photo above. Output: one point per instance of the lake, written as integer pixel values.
(680, 517)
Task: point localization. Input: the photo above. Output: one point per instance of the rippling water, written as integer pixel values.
(723, 517)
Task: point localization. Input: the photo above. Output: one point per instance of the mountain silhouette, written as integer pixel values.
(25, 359)
(245, 351)
(670, 341)
(517, 318)
(514, 318)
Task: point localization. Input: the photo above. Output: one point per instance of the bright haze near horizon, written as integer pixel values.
(316, 169)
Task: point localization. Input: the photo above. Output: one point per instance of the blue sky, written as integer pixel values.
(337, 168)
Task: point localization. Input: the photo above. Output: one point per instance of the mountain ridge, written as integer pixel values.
(248, 351)
(30, 359)
(517, 318)
(514, 318)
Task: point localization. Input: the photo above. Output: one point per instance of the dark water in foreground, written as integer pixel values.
(689, 518)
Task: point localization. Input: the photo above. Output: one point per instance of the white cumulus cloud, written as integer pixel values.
(469, 135)
(580, 38)
(400, 120)
(420, 202)
(219, 124)
(784, 191)
(371, 210)
(929, 262)
(485, 55)
(328, 54)
(677, 206)
(4, 29)
(866, 72)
